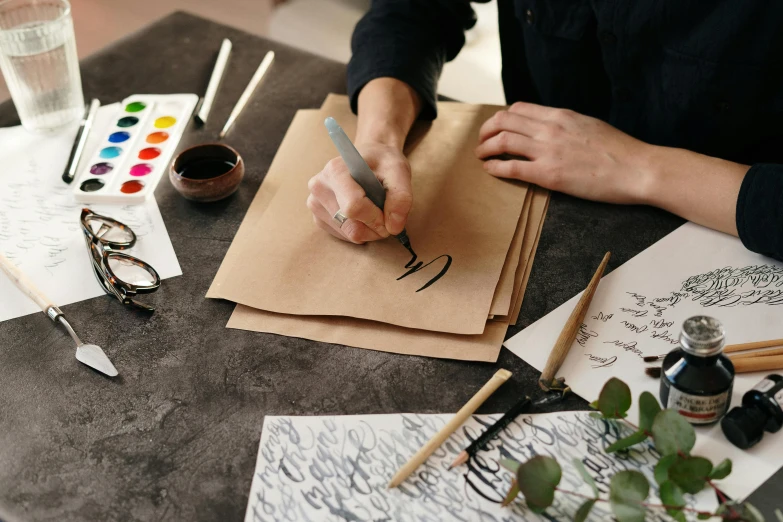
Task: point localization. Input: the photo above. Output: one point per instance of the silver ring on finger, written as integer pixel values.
(340, 218)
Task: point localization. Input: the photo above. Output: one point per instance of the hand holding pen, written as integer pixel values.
(335, 189)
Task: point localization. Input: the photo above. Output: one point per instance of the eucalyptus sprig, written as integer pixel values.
(677, 473)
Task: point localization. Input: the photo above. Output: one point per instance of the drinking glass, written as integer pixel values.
(39, 62)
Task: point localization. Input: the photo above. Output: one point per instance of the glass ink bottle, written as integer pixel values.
(762, 409)
(696, 378)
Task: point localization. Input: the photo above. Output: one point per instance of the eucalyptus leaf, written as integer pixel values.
(722, 470)
(745, 511)
(626, 442)
(672, 433)
(627, 490)
(690, 473)
(614, 401)
(648, 409)
(661, 470)
(512, 493)
(584, 510)
(594, 405)
(580, 467)
(510, 464)
(537, 479)
(706, 516)
(779, 515)
(671, 495)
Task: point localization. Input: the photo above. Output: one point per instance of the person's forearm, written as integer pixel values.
(387, 109)
(698, 188)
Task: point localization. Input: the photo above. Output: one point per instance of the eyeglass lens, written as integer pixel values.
(130, 272)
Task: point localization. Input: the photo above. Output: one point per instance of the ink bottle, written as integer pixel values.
(696, 378)
(762, 409)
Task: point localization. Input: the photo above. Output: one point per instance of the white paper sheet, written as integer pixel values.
(638, 310)
(337, 468)
(39, 221)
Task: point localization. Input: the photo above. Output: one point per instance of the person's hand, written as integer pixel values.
(565, 151)
(334, 189)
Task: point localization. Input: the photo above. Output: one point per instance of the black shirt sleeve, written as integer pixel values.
(409, 40)
(760, 210)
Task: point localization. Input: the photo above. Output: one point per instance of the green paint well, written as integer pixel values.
(135, 107)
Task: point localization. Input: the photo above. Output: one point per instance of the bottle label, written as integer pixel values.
(779, 398)
(764, 385)
(698, 409)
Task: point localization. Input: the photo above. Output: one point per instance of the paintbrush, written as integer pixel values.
(493, 431)
(734, 348)
(559, 352)
(741, 365)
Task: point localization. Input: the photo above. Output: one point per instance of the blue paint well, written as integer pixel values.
(110, 152)
(118, 137)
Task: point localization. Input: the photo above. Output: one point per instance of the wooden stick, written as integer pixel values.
(25, 284)
(752, 346)
(759, 353)
(445, 432)
(758, 364)
(567, 336)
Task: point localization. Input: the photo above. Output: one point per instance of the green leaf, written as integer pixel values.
(779, 515)
(614, 399)
(627, 490)
(661, 471)
(648, 409)
(537, 479)
(672, 433)
(580, 467)
(706, 516)
(584, 511)
(690, 473)
(722, 470)
(671, 495)
(627, 442)
(512, 494)
(594, 405)
(510, 464)
(596, 415)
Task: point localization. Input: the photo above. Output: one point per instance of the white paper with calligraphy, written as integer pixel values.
(638, 310)
(337, 468)
(39, 221)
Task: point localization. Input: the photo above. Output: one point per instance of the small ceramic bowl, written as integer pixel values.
(208, 172)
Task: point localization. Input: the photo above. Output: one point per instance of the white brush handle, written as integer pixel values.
(26, 285)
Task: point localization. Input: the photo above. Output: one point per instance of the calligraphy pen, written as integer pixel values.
(493, 431)
(361, 172)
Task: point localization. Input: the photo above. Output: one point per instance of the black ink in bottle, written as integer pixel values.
(762, 409)
(696, 378)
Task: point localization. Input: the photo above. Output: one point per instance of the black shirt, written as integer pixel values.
(704, 75)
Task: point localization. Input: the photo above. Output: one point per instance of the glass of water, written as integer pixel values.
(39, 62)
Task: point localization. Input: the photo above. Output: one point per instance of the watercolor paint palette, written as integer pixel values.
(135, 149)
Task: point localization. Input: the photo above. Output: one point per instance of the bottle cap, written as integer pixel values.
(702, 336)
(744, 427)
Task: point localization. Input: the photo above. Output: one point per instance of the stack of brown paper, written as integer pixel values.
(290, 278)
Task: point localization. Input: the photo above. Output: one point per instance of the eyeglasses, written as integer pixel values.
(120, 275)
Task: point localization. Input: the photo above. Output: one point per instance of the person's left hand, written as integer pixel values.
(565, 151)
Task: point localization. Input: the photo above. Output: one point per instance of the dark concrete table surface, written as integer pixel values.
(175, 436)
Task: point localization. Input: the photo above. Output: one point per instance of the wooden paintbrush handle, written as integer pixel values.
(25, 284)
(567, 336)
(758, 364)
(752, 346)
(763, 353)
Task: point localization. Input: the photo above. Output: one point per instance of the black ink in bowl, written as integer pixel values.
(91, 185)
(207, 172)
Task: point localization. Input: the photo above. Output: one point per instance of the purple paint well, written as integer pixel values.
(101, 168)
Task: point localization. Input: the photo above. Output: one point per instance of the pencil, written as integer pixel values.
(567, 336)
(445, 432)
(254, 81)
(752, 346)
(491, 432)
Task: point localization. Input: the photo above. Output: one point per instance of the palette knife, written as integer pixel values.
(89, 354)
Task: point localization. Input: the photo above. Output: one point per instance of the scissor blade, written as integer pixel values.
(93, 356)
